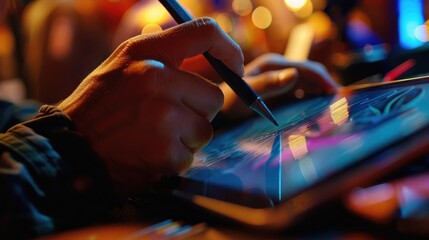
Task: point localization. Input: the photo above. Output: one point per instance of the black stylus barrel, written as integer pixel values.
(237, 84)
(245, 92)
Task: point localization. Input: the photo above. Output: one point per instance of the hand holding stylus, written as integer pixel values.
(234, 81)
(154, 114)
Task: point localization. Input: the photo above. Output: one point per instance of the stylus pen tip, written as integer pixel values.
(259, 106)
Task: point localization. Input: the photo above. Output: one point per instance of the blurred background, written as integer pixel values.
(47, 47)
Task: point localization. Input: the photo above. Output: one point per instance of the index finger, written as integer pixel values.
(187, 40)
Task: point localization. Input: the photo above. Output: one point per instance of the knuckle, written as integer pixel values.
(128, 47)
(152, 68)
(147, 75)
(208, 23)
(208, 26)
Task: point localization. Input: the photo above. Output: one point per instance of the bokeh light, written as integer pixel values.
(242, 7)
(321, 24)
(151, 28)
(7, 41)
(305, 11)
(225, 22)
(295, 5)
(298, 146)
(153, 13)
(410, 16)
(262, 17)
(340, 111)
(421, 33)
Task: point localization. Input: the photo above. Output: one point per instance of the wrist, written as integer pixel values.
(84, 168)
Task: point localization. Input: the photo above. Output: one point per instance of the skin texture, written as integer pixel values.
(145, 116)
(142, 114)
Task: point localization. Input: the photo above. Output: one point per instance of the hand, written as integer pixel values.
(272, 75)
(143, 115)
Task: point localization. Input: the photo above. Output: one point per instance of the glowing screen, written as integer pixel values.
(316, 138)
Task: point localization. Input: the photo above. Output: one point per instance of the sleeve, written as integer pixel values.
(50, 179)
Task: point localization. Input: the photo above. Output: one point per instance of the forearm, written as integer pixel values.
(49, 177)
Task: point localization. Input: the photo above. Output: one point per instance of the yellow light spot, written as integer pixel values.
(151, 28)
(321, 24)
(305, 11)
(300, 42)
(7, 41)
(224, 22)
(295, 5)
(298, 146)
(261, 17)
(242, 7)
(154, 13)
(339, 111)
(195, 8)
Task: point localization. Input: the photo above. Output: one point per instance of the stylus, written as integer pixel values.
(237, 84)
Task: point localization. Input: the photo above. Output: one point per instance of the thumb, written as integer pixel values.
(274, 83)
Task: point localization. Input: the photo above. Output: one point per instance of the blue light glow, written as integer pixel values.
(410, 17)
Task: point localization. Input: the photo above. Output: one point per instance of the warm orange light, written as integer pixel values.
(339, 111)
(300, 42)
(305, 11)
(153, 13)
(298, 146)
(377, 203)
(224, 21)
(295, 5)
(242, 7)
(7, 41)
(86, 7)
(261, 17)
(151, 28)
(321, 24)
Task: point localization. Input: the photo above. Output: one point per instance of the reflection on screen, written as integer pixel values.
(316, 138)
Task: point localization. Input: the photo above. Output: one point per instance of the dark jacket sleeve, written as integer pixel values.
(50, 179)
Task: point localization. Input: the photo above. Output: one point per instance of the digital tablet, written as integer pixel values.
(269, 177)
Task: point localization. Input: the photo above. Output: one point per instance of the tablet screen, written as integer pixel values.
(316, 138)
